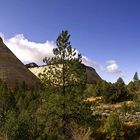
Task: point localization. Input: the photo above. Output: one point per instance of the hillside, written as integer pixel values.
(12, 70)
(92, 75)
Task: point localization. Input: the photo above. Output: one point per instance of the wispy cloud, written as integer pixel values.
(88, 61)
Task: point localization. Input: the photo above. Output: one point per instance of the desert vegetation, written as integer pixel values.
(64, 106)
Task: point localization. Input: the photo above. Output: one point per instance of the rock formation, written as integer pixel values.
(92, 75)
(12, 70)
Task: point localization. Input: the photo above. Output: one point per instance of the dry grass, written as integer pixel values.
(94, 99)
(80, 133)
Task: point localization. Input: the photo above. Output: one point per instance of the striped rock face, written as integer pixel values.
(12, 70)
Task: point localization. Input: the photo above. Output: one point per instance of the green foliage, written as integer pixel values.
(9, 127)
(65, 81)
(116, 92)
(121, 91)
(124, 108)
(120, 81)
(99, 88)
(137, 101)
(111, 93)
(113, 128)
(16, 110)
(90, 90)
(108, 92)
(132, 89)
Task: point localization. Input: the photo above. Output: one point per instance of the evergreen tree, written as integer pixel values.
(133, 88)
(109, 91)
(136, 81)
(135, 78)
(65, 81)
(120, 81)
(116, 92)
(121, 91)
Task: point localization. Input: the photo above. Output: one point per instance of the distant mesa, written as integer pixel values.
(92, 75)
(12, 70)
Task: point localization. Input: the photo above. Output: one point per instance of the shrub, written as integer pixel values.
(113, 128)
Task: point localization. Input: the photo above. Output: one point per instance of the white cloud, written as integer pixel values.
(28, 51)
(87, 61)
(113, 67)
(111, 62)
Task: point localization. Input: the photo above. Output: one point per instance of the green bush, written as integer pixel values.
(113, 128)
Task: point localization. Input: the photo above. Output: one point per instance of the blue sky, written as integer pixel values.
(104, 31)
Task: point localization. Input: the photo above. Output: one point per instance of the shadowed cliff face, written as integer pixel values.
(12, 70)
(92, 75)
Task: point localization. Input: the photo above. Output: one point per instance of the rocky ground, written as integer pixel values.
(129, 117)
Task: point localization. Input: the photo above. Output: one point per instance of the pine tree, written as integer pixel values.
(120, 81)
(136, 81)
(135, 78)
(65, 81)
(121, 91)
